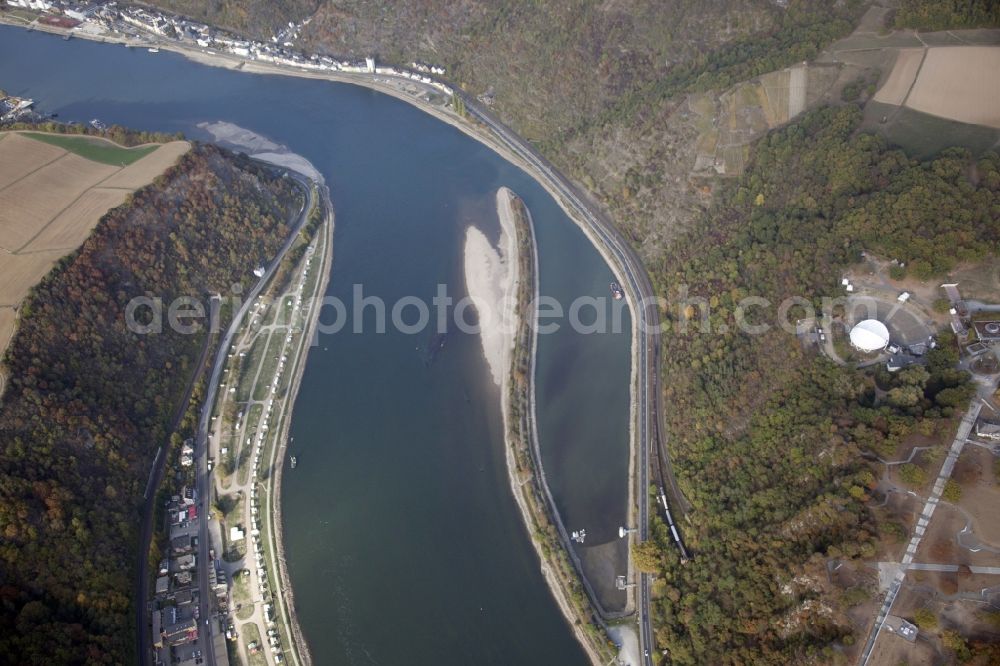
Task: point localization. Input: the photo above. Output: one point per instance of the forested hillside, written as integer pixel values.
(254, 18)
(552, 66)
(88, 402)
(556, 68)
(948, 14)
(767, 437)
(594, 84)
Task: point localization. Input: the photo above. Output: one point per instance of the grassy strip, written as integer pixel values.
(248, 371)
(292, 644)
(541, 526)
(269, 365)
(250, 633)
(243, 461)
(95, 150)
(264, 350)
(242, 597)
(21, 14)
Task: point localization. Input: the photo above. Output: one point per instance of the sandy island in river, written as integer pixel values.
(491, 280)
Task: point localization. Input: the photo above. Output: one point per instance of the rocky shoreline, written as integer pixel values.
(558, 571)
(285, 593)
(517, 405)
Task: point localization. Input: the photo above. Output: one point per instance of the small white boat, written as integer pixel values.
(153, 50)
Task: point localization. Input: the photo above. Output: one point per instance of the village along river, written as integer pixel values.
(404, 544)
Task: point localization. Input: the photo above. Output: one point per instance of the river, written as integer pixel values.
(404, 544)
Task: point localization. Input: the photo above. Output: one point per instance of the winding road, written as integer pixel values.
(639, 292)
(930, 504)
(648, 399)
(205, 594)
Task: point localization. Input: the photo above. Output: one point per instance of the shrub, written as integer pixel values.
(925, 619)
(912, 475)
(954, 641)
(895, 531)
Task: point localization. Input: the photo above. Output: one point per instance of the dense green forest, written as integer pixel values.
(88, 402)
(767, 437)
(948, 14)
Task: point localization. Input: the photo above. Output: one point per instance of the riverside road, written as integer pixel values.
(637, 284)
(205, 594)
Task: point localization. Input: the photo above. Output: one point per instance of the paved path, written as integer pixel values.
(143, 603)
(964, 428)
(639, 292)
(206, 596)
(290, 324)
(951, 568)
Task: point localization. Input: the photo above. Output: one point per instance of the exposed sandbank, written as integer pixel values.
(513, 436)
(625, 635)
(240, 139)
(478, 133)
(491, 280)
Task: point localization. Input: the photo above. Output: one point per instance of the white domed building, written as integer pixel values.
(869, 336)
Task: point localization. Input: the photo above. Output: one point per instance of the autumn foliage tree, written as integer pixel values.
(766, 436)
(88, 401)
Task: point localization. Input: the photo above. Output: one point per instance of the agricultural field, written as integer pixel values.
(53, 190)
(94, 148)
(901, 78)
(68, 229)
(728, 122)
(7, 318)
(930, 92)
(20, 272)
(29, 204)
(961, 83)
(142, 172)
(958, 83)
(30, 155)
